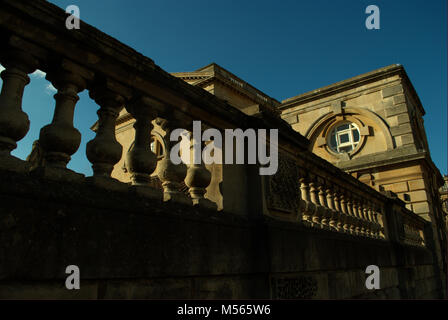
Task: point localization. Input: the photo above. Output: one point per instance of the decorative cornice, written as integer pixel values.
(214, 72)
(363, 79)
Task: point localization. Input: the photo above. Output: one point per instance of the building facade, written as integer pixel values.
(142, 226)
(370, 126)
(444, 197)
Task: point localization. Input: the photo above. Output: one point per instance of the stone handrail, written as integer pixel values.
(35, 37)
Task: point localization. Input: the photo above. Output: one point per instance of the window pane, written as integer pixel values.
(355, 135)
(333, 141)
(345, 149)
(343, 127)
(344, 138)
(153, 146)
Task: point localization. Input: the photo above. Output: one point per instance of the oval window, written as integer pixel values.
(344, 137)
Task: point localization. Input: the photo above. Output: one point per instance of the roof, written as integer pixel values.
(359, 80)
(213, 71)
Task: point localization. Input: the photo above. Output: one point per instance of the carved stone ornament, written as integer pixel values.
(301, 287)
(282, 188)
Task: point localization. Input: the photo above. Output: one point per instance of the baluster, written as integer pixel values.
(323, 204)
(375, 226)
(14, 123)
(371, 231)
(356, 214)
(339, 213)
(366, 219)
(60, 139)
(345, 213)
(351, 215)
(171, 175)
(104, 151)
(381, 224)
(378, 227)
(317, 213)
(198, 178)
(305, 204)
(362, 219)
(331, 206)
(140, 160)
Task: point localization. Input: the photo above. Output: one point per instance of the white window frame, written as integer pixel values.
(338, 133)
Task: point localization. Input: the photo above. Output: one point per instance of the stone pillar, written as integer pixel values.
(140, 160)
(104, 151)
(317, 213)
(378, 228)
(380, 222)
(331, 206)
(171, 175)
(306, 206)
(371, 221)
(197, 180)
(351, 217)
(366, 220)
(356, 216)
(14, 123)
(345, 213)
(326, 213)
(338, 211)
(60, 139)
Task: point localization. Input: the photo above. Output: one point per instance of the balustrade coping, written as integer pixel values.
(32, 16)
(96, 43)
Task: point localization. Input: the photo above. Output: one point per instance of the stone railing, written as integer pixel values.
(327, 204)
(329, 199)
(34, 36)
(409, 228)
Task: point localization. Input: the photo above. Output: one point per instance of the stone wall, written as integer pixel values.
(128, 246)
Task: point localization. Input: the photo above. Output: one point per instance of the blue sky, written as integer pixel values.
(283, 48)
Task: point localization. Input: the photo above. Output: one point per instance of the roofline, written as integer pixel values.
(357, 80)
(217, 73)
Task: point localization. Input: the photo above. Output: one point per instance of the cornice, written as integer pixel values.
(360, 80)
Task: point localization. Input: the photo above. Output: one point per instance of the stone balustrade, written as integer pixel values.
(117, 77)
(327, 205)
(413, 228)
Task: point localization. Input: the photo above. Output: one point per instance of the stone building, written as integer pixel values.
(370, 126)
(444, 197)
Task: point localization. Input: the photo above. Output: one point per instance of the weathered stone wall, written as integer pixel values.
(127, 246)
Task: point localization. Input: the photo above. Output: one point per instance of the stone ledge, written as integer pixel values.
(401, 129)
(391, 91)
(395, 110)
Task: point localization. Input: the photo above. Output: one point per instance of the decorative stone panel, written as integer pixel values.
(282, 188)
(301, 287)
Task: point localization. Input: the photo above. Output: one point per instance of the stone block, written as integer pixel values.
(38, 290)
(407, 139)
(291, 119)
(395, 110)
(421, 207)
(401, 129)
(425, 216)
(391, 91)
(403, 118)
(397, 187)
(418, 195)
(400, 98)
(416, 184)
(336, 107)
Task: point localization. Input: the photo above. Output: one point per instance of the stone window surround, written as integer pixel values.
(332, 123)
(338, 133)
